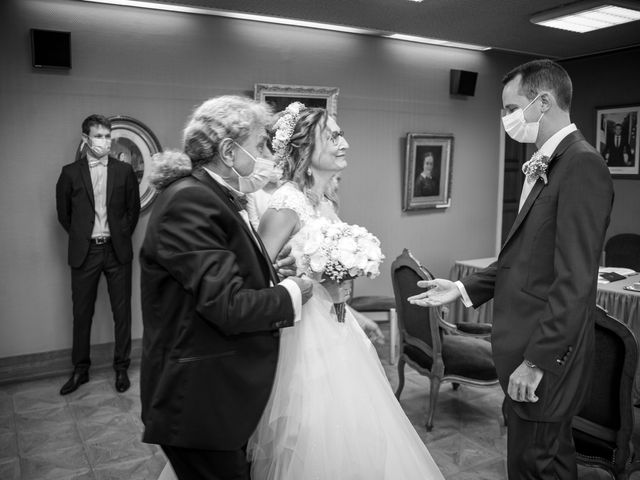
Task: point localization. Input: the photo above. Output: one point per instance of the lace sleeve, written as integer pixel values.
(287, 196)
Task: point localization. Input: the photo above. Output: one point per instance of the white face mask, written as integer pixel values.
(259, 177)
(99, 146)
(518, 128)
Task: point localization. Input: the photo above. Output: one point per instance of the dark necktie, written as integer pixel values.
(617, 141)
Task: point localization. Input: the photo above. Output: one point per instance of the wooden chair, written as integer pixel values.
(603, 428)
(441, 350)
(623, 250)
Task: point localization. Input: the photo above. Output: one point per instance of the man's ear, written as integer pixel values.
(227, 152)
(547, 101)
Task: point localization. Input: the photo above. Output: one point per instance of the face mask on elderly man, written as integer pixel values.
(263, 171)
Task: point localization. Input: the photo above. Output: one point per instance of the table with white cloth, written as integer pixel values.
(624, 305)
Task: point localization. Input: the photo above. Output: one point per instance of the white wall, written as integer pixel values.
(156, 66)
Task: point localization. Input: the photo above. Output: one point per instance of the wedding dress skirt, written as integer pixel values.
(332, 414)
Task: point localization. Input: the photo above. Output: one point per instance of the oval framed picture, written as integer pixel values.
(133, 142)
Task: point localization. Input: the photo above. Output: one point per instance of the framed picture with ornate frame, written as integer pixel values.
(280, 96)
(133, 142)
(618, 141)
(427, 171)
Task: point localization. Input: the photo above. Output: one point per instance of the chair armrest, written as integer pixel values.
(474, 329)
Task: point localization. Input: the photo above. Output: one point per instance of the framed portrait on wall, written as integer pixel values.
(427, 171)
(280, 96)
(618, 141)
(133, 142)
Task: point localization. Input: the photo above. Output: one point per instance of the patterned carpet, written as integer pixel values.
(94, 433)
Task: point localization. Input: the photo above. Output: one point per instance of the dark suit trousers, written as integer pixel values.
(539, 450)
(84, 289)
(192, 464)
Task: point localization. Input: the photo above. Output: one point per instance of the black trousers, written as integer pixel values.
(539, 450)
(84, 289)
(192, 464)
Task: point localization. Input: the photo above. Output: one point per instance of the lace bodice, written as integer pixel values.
(289, 196)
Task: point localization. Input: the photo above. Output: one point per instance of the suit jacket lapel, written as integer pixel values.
(533, 195)
(86, 179)
(205, 178)
(110, 180)
(573, 137)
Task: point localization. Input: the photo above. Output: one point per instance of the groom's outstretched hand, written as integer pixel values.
(306, 287)
(440, 292)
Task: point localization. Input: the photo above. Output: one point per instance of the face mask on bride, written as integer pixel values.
(263, 172)
(518, 128)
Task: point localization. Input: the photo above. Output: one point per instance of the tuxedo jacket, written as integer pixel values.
(211, 320)
(76, 207)
(544, 280)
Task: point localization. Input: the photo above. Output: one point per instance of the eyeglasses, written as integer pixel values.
(335, 136)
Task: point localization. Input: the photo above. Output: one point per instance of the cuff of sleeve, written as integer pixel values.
(296, 297)
(463, 293)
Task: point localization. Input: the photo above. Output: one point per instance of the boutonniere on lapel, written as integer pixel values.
(536, 168)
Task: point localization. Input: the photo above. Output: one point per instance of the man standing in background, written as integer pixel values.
(98, 204)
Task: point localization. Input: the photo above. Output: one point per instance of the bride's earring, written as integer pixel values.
(309, 172)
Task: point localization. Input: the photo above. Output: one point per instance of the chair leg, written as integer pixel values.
(393, 336)
(504, 411)
(401, 363)
(433, 400)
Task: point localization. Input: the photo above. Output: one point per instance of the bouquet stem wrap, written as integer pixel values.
(340, 292)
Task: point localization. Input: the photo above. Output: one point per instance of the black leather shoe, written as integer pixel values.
(77, 379)
(122, 381)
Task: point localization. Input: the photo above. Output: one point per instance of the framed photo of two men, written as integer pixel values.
(618, 141)
(427, 171)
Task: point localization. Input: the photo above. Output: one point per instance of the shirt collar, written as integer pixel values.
(240, 197)
(93, 161)
(550, 145)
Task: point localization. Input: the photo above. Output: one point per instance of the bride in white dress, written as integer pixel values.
(332, 414)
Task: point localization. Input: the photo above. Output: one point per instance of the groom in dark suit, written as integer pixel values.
(212, 304)
(544, 281)
(98, 204)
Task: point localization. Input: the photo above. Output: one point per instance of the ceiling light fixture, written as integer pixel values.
(435, 41)
(585, 17)
(282, 21)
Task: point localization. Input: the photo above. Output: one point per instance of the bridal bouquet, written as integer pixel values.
(336, 251)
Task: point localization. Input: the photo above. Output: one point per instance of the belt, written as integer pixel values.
(100, 240)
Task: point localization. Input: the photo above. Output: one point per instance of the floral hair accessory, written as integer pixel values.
(284, 129)
(536, 168)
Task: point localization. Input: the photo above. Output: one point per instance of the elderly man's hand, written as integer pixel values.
(285, 264)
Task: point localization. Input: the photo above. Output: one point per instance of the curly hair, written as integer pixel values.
(301, 148)
(218, 118)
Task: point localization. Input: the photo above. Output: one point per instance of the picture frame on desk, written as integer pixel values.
(427, 171)
(618, 139)
(280, 96)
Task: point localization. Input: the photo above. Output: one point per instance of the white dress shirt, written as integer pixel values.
(547, 150)
(98, 171)
(290, 285)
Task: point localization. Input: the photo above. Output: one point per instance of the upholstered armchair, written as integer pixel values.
(603, 428)
(434, 347)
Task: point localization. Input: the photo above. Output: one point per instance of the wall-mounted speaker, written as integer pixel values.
(50, 49)
(463, 82)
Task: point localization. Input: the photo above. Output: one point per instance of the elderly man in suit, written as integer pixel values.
(212, 303)
(98, 204)
(544, 281)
